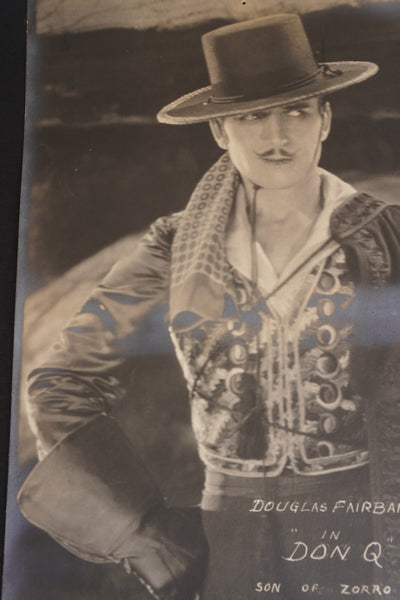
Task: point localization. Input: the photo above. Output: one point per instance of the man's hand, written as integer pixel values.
(104, 507)
(168, 553)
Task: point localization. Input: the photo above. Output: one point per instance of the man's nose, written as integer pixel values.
(274, 131)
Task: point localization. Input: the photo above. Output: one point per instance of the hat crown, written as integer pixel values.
(261, 64)
(257, 58)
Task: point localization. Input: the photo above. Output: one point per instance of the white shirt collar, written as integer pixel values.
(238, 240)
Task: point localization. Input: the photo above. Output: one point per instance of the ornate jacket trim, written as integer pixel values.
(354, 214)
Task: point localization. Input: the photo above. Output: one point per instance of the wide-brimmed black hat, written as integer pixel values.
(259, 64)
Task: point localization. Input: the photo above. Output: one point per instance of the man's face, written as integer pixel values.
(276, 148)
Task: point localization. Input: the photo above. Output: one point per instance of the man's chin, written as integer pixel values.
(282, 182)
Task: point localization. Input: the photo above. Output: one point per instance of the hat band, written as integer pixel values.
(298, 83)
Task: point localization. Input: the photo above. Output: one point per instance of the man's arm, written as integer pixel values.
(91, 491)
(89, 368)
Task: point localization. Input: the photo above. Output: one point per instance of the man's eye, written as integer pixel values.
(295, 112)
(253, 116)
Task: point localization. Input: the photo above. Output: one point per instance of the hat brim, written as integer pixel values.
(198, 106)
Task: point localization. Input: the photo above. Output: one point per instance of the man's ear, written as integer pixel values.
(326, 113)
(218, 131)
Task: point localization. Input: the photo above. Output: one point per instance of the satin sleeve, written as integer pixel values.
(90, 366)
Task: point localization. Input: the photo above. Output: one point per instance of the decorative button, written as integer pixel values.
(238, 353)
(326, 335)
(327, 364)
(326, 307)
(328, 283)
(325, 449)
(235, 381)
(242, 296)
(329, 424)
(329, 396)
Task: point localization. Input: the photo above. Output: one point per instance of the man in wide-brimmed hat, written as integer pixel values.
(278, 278)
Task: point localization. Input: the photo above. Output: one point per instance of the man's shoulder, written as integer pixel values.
(362, 210)
(163, 229)
(167, 223)
(368, 229)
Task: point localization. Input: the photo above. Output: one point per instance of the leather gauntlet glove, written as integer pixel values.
(93, 494)
(168, 553)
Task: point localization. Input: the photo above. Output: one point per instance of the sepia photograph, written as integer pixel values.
(206, 381)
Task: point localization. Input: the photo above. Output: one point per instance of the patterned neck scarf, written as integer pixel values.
(199, 268)
(200, 271)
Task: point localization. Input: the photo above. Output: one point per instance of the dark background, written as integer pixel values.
(99, 167)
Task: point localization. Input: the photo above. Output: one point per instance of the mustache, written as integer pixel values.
(275, 154)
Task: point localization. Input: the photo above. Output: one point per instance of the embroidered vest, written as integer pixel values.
(279, 371)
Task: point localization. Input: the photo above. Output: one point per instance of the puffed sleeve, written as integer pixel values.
(89, 367)
(384, 410)
(376, 368)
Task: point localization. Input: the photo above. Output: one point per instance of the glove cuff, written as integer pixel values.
(89, 490)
